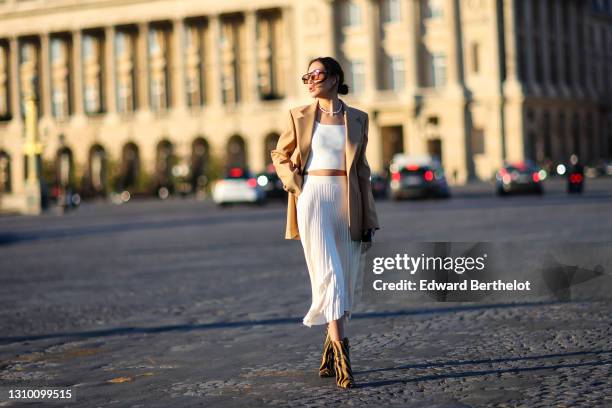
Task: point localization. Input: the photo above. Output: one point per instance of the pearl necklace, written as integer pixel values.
(334, 112)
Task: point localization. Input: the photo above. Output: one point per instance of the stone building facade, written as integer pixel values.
(148, 87)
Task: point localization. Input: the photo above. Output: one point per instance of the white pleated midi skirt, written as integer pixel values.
(332, 258)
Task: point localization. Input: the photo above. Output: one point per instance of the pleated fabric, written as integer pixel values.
(332, 258)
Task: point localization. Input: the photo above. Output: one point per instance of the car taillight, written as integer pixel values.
(252, 182)
(235, 172)
(395, 176)
(535, 177)
(412, 167)
(575, 178)
(428, 175)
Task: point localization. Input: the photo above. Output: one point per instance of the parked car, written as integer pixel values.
(271, 184)
(575, 175)
(238, 186)
(519, 177)
(417, 176)
(380, 185)
(606, 167)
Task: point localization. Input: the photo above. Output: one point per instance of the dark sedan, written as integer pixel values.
(412, 180)
(522, 177)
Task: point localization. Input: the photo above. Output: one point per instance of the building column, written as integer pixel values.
(215, 85)
(411, 25)
(544, 23)
(455, 76)
(512, 84)
(590, 57)
(142, 66)
(289, 74)
(109, 68)
(530, 81)
(77, 69)
(495, 150)
(178, 65)
(457, 137)
(14, 81)
(573, 49)
(371, 62)
(45, 79)
(561, 51)
(251, 58)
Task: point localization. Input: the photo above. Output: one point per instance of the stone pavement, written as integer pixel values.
(533, 355)
(549, 355)
(178, 304)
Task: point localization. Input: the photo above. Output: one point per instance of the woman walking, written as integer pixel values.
(321, 160)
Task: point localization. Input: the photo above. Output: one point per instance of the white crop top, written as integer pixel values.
(327, 147)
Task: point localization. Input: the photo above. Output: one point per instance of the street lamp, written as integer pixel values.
(34, 188)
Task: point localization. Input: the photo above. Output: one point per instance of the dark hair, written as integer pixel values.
(333, 68)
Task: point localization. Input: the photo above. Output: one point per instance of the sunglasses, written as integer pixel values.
(317, 75)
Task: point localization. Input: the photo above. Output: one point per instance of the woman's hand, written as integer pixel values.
(368, 235)
(366, 239)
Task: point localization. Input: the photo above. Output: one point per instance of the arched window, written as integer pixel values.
(236, 152)
(200, 152)
(5, 172)
(130, 166)
(270, 144)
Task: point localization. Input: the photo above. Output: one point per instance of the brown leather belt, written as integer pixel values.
(326, 172)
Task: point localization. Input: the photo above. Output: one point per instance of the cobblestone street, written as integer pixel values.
(178, 303)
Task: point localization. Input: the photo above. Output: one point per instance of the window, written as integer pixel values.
(5, 172)
(357, 73)
(390, 11)
(158, 69)
(59, 78)
(269, 58)
(120, 43)
(478, 141)
(434, 8)
(56, 49)
(397, 73)
(92, 77)
(194, 81)
(4, 83)
(475, 57)
(87, 46)
(230, 59)
(124, 71)
(156, 85)
(351, 13)
(438, 70)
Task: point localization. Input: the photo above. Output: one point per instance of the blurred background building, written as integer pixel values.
(135, 94)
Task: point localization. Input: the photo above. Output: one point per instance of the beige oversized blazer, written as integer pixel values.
(291, 154)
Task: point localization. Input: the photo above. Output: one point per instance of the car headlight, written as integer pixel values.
(262, 180)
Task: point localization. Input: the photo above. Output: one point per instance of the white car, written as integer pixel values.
(239, 186)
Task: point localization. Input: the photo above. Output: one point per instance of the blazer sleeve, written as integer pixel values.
(287, 171)
(370, 218)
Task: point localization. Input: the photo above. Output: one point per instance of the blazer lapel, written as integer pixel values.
(352, 124)
(305, 125)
